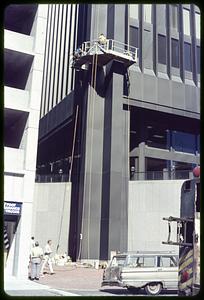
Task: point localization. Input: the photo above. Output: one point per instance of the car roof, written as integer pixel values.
(147, 253)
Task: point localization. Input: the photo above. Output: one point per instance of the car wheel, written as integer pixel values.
(133, 290)
(153, 288)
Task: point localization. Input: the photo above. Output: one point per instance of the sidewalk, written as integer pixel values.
(14, 286)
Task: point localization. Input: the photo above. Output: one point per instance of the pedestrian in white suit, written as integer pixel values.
(47, 258)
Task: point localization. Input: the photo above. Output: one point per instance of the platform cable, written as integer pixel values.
(74, 142)
(126, 149)
(69, 178)
(129, 114)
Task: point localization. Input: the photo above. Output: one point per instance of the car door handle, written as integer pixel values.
(160, 269)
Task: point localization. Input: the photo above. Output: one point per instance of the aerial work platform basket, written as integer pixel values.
(106, 51)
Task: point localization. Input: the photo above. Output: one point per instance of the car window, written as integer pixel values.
(168, 261)
(175, 260)
(149, 261)
(141, 261)
(118, 261)
(132, 261)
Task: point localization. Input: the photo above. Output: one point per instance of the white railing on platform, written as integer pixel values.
(109, 46)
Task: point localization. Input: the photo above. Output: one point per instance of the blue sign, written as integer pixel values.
(12, 208)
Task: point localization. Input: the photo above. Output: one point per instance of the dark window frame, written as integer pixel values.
(134, 38)
(162, 55)
(175, 59)
(187, 57)
(198, 58)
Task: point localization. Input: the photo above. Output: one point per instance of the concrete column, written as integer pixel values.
(119, 152)
(191, 176)
(135, 177)
(142, 161)
(92, 180)
(134, 170)
(22, 242)
(119, 176)
(90, 187)
(103, 204)
(29, 144)
(105, 180)
(165, 174)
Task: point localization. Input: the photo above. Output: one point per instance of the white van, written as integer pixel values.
(152, 271)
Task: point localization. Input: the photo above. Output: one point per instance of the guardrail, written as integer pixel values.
(161, 175)
(111, 45)
(51, 178)
(149, 175)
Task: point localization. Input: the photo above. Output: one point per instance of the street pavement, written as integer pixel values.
(73, 276)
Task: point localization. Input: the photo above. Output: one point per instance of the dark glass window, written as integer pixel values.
(187, 57)
(155, 168)
(134, 36)
(175, 53)
(181, 170)
(156, 136)
(184, 142)
(198, 59)
(161, 49)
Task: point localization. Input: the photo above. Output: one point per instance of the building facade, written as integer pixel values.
(24, 40)
(105, 126)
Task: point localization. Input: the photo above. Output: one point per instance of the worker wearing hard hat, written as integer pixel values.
(102, 39)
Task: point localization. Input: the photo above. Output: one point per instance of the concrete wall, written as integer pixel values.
(51, 214)
(23, 43)
(13, 188)
(16, 98)
(149, 202)
(151, 92)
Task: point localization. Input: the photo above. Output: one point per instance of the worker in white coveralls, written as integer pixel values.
(36, 257)
(47, 258)
(102, 39)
